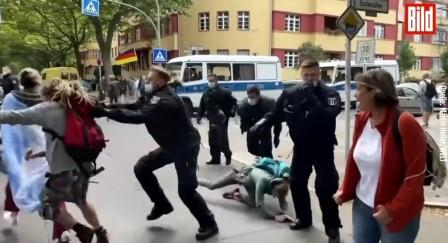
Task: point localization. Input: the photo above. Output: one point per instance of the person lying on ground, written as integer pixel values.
(266, 176)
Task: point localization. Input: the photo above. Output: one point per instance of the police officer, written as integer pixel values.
(251, 110)
(163, 113)
(219, 105)
(310, 110)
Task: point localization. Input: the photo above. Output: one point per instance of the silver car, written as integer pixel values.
(409, 98)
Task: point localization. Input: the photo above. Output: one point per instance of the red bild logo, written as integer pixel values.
(420, 18)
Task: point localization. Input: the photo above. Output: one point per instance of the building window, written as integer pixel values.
(363, 31)
(223, 52)
(204, 21)
(243, 20)
(436, 64)
(439, 37)
(292, 23)
(243, 52)
(138, 33)
(418, 64)
(418, 38)
(122, 40)
(291, 59)
(223, 20)
(130, 39)
(379, 31)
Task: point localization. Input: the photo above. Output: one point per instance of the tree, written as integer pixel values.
(406, 59)
(60, 24)
(113, 15)
(444, 60)
(310, 50)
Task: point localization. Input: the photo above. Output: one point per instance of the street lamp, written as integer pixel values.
(149, 19)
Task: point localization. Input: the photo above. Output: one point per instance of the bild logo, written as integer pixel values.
(420, 18)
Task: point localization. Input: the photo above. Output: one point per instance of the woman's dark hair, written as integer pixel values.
(381, 82)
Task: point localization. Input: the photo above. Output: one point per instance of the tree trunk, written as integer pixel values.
(79, 65)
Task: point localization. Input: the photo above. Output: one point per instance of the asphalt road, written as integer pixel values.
(122, 205)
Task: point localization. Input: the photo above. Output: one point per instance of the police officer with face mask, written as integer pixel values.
(251, 110)
(310, 110)
(166, 120)
(219, 105)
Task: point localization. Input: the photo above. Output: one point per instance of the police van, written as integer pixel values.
(234, 72)
(333, 73)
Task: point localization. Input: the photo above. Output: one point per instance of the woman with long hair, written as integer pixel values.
(66, 182)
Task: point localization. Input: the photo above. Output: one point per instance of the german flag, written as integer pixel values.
(126, 57)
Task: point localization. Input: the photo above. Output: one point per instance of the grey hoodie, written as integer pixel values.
(50, 115)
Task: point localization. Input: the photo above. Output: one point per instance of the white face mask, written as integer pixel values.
(149, 88)
(315, 83)
(211, 84)
(252, 101)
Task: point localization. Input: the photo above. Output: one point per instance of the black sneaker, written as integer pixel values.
(333, 236)
(205, 233)
(158, 212)
(101, 235)
(84, 233)
(299, 225)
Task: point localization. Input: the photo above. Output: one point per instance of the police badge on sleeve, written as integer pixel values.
(332, 101)
(154, 100)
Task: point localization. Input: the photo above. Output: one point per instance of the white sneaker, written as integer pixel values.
(11, 218)
(65, 237)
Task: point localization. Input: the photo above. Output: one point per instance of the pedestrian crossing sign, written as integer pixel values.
(91, 8)
(160, 55)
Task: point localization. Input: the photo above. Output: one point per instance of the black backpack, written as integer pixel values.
(431, 91)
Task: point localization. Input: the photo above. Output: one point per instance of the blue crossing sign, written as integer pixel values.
(91, 7)
(160, 55)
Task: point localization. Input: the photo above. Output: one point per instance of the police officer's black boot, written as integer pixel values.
(159, 211)
(228, 159)
(207, 231)
(333, 236)
(299, 225)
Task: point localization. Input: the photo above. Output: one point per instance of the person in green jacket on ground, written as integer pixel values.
(266, 176)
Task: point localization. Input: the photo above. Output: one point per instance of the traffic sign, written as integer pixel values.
(350, 22)
(91, 8)
(160, 55)
(375, 6)
(365, 52)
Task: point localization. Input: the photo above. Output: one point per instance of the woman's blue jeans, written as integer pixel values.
(367, 230)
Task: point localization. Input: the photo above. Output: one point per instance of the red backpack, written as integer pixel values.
(83, 138)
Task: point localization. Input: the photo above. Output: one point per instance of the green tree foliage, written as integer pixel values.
(444, 60)
(113, 15)
(406, 58)
(310, 50)
(59, 27)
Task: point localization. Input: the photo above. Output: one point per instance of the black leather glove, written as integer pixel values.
(276, 141)
(258, 127)
(98, 111)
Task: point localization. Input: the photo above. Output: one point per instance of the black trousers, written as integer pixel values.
(185, 162)
(218, 140)
(326, 184)
(260, 144)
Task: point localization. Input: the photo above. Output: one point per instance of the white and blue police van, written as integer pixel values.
(235, 72)
(333, 74)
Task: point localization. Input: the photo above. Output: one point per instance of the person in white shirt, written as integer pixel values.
(427, 92)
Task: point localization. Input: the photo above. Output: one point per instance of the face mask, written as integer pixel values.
(211, 84)
(315, 83)
(149, 88)
(252, 101)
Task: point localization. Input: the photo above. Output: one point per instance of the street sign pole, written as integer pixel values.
(348, 50)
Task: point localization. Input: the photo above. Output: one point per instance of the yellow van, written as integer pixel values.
(62, 73)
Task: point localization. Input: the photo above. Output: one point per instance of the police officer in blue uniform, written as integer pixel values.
(310, 110)
(166, 120)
